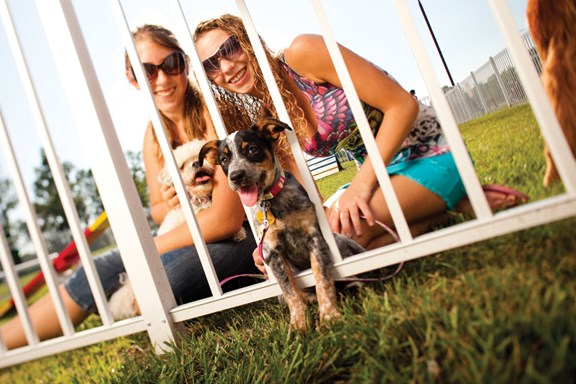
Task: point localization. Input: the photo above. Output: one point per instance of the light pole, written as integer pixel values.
(435, 42)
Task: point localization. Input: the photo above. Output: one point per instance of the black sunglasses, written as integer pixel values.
(229, 49)
(174, 64)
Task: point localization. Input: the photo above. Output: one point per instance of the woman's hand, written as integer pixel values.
(169, 196)
(349, 209)
(259, 262)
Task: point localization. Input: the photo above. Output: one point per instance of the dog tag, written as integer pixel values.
(269, 216)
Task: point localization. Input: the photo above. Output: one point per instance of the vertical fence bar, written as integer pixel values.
(35, 235)
(529, 44)
(400, 223)
(11, 277)
(309, 183)
(31, 219)
(204, 84)
(110, 170)
(464, 102)
(449, 126)
(551, 130)
(500, 82)
(8, 264)
(58, 174)
(166, 148)
(477, 91)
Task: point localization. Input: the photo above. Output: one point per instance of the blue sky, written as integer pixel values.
(465, 29)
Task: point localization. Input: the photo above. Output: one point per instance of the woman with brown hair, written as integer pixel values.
(185, 117)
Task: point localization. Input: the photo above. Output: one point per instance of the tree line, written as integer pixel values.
(50, 212)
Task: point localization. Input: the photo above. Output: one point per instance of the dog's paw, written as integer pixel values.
(123, 303)
(298, 315)
(240, 235)
(164, 177)
(299, 323)
(329, 314)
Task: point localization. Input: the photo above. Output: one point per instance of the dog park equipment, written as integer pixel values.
(66, 259)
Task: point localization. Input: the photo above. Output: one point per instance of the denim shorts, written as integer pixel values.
(437, 173)
(183, 269)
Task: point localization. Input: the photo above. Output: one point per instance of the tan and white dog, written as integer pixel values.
(198, 181)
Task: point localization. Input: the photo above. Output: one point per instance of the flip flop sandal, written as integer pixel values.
(520, 198)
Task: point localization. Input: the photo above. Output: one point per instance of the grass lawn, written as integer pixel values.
(498, 311)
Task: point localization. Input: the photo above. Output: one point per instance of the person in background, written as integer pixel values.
(185, 117)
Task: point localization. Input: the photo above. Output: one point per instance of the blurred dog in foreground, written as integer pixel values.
(552, 25)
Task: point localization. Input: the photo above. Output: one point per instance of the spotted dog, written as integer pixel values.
(284, 215)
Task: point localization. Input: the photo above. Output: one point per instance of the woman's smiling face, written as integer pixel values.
(168, 90)
(234, 74)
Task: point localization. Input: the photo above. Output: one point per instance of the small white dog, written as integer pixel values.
(199, 185)
(197, 181)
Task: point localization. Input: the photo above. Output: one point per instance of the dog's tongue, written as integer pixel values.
(249, 195)
(202, 179)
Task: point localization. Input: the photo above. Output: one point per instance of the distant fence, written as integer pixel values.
(161, 318)
(320, 167)
(493, 86)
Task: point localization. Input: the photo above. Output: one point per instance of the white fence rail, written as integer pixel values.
(493, 86)
(161, 317)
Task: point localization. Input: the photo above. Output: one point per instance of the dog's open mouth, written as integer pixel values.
(202, 178)
(249, 195)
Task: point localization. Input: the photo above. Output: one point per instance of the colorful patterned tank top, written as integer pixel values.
(338, 130)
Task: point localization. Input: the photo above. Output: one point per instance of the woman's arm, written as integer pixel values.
(309, 57)
(162, 197)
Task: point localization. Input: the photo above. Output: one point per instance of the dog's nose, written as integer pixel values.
(237, 175)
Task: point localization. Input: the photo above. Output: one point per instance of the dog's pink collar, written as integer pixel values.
(264, 206)
(276, 188)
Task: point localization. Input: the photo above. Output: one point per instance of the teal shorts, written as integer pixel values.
(437, 173)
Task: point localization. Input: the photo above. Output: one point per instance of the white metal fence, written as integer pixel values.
(493, 86)
(161, 318)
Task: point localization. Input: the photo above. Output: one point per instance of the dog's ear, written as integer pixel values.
(209, 152)
(270, 128)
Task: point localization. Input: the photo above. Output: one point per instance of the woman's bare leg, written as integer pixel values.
(422, 208)
(44, 320)
(497, 201)
(416, 229)
(418, 205)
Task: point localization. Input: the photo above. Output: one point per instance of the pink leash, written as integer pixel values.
(350, 280)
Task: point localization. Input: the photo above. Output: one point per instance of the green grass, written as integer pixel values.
(499, 311)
